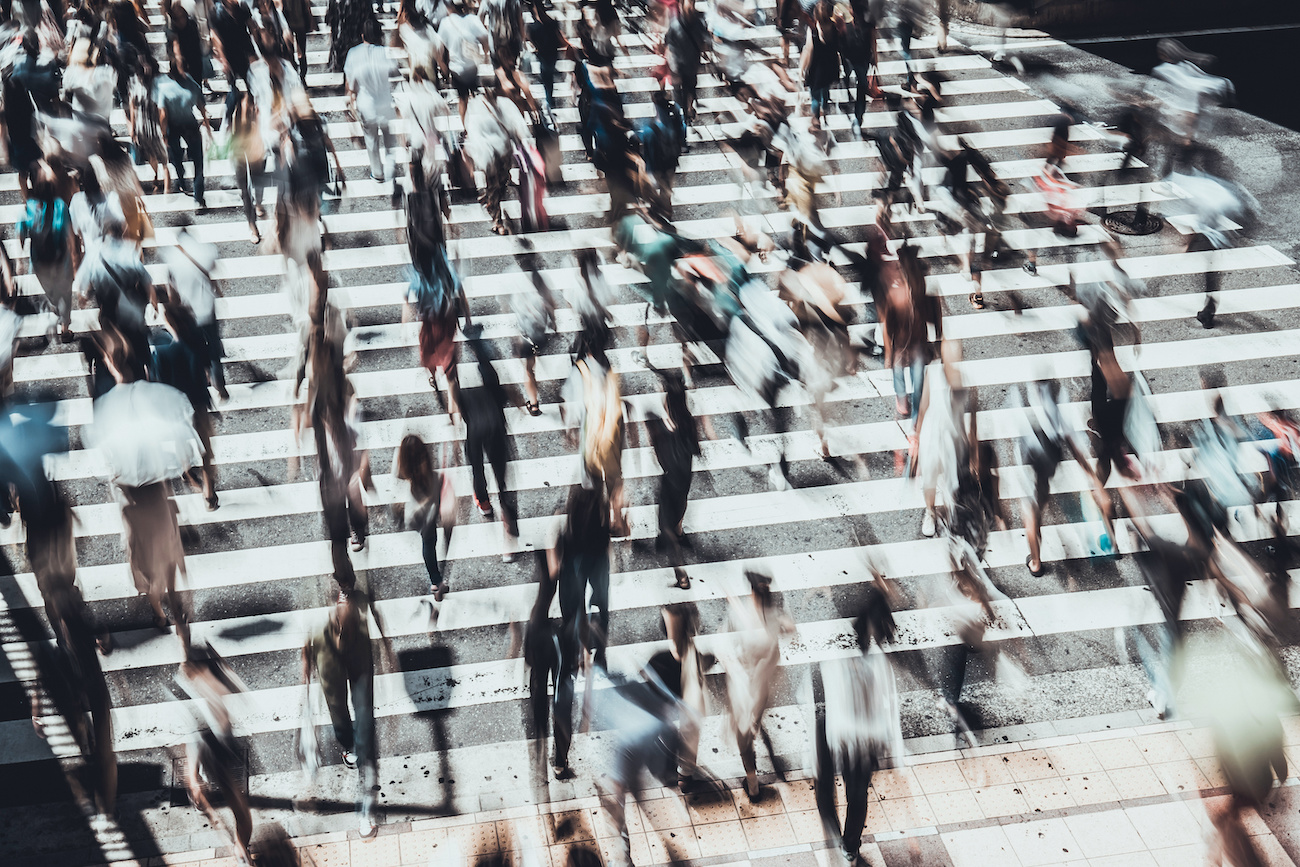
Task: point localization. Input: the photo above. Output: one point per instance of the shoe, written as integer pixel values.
(1032, 571)
(927, 524)
(533, 409)
(358, 542)
(201, 207)
(857, 128)
(211, 503)
(1206, 316)
(484, 508)
(350, 759)
(563, 772)
(1030, 267)
(440, 591)
(368, 828)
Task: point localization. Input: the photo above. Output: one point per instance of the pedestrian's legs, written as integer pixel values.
(363, 702)
(498, 454)
(598, 579)
(341, 719)
(857, 777)
(570, 648)
(918, 381)
(475, 446)
(547, 71)
(300, 40)
(824, 783)
(861, 76)
(194, 144)
(429, 549)
(212, 339)
(370, 131)
(175, 144)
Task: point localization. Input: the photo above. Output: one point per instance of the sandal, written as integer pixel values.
(977, 300)
(1035, 572)
(533, 408)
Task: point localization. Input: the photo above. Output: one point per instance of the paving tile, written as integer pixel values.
(1291, 730)
(676, 845)
(807, 826)
(1118, 753)
(1180, 856)
(1160, 748)
(1212, 771)
(1044, 795)
(474, 840)
(706, 807)
(935, 777)
(1091, 788)
(1030, 765)
(950, 808)
(1108, 832)
(721, 838)
(800, 795)
(1164, 825)
(638, 845)
(377, 851)
(1181, 776)
(1005, 800)
(1070, 759)
(982, 771)
(1131, 859)
(1271, 851)
(1137, 782)
(571, 826)
(980, 847)
(767, 803)
(927, 850)
(1044, 842)
(665, 813)
(529, 832)
(895, 783)
(767, 832)
(907, 813)
(1198, 742)
(326, 855)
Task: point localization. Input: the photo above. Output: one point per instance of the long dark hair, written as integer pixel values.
(415, 465)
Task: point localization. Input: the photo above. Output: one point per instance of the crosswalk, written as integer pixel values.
(258, 569)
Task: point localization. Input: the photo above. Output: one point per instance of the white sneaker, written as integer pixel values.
(927, 524)
(367, 828)
(350, 759)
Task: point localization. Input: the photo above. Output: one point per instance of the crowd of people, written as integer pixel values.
(840, 303)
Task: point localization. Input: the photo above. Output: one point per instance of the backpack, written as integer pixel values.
(46, 227)
(424, 228)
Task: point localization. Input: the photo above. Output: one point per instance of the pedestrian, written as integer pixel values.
(232, 42)
(186, 29)
(494, 128)
(89, 82)
(430, 503)
(180, 110)
(435, 297)
(756, 625)
(821, 60)
(190, 264)
(534, 318)
(465, 39)
(486, 437)
(147, 140)
(113, 274)
(248, 162)
(680, 670)
(579, 560)
(212, 752)
(367, 73)
(686, 42)
(31, 86)
(542, 659)
(548, 40)
(601, 436)
(339, 651)
(301, 21)
(859, 723)
(180, 359)
(47, 225)
(905, 326)
(153, 551)
(940, 430)
(859, 53)
(676, 444)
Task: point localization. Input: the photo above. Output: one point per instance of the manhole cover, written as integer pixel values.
(1133, 223)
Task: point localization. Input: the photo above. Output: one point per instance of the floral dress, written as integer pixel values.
(146, 130)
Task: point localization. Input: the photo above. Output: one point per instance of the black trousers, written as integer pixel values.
(495, 445)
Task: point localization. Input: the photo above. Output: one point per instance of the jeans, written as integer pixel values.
(359, 738)
(820, 96)
(861, 75)
(378, 143)
(251, 180)
(494, 444)
(546, 70)
(191, 137)
(917, 367)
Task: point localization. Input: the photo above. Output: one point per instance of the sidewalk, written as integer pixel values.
(1136, 796)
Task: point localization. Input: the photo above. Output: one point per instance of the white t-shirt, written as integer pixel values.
(462, 35)
(191, 275)
(367, 71)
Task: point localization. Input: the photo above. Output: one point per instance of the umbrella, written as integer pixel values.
(146, 432)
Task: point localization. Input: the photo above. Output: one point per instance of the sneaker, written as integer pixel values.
(927, 524)
(857, 128)
(1030, 267)
(350, 759)
(367, 828)
(484, 508)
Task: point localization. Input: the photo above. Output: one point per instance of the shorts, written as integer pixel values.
(466, 84)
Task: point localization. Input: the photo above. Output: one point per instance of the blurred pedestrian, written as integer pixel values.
(676, 444)
(48, 226)
(180, 110)
(367, 73)
(430, 503)
(858, 725)
(486, 437)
